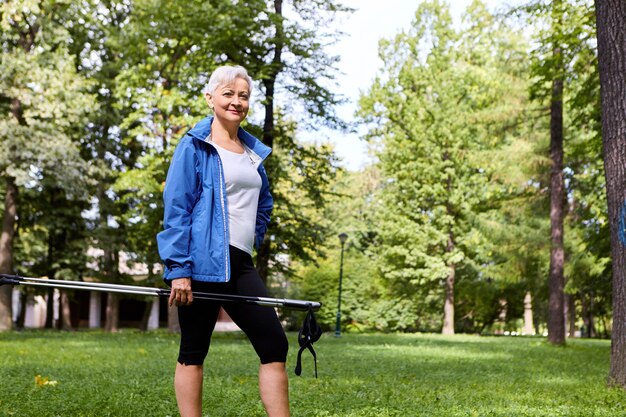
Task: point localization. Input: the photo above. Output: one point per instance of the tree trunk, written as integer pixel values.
(6, 253)
(49, 323)
(21, 315)
(147, 309)
(591, 332)
(611, 28)
(448, 306)
(54, 247)
(172, 320)
(588, 321)
(566, 299)
(572, 315)
(145, 317)
(65, 322)
(51, 256)
(112, 313)
(264, 252)
(556, 317)
(528, 315)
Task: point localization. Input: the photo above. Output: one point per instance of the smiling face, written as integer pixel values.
(230, 102)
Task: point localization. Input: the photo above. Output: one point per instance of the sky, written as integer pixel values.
(359, 63)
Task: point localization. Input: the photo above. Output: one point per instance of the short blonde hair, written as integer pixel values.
(226, 74)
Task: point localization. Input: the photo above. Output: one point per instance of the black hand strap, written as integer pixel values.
(309, 334)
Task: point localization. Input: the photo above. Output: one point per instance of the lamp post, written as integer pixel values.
(342, 238)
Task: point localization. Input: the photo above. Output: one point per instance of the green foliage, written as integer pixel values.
(361, 295)
(45, 106)
(43, 100)
(95, 95)
(162, 85)
(443, 109)
(482, 303)
(302, 174)
(588, 268)
(367, 302)
(131, 374)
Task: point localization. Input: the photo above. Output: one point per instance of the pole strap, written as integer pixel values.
(309, 334)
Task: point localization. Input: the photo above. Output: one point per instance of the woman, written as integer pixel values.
(217, 204)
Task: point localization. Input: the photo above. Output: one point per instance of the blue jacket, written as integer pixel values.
(194, 240)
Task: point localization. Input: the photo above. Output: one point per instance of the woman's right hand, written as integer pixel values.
(180, 293)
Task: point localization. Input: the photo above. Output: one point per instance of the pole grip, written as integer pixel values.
(6, 279)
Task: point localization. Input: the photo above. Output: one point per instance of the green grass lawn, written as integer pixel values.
(378, 375)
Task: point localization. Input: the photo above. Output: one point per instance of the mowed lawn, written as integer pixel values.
(90, 373)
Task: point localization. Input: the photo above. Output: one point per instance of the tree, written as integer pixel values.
(303, 174)
(167, 61)
(289, 59)
(44, 104)
(563, 79)
(285, 56)
(438, 109)
(611, 28)
(556, 318)
(366, 302)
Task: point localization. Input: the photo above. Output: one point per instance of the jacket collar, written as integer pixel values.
(202, 130)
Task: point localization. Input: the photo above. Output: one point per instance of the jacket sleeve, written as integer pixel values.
(264, 209)
(179, 197)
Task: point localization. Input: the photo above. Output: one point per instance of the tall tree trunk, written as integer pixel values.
(10, 204)
(55, 246)
(528, 315)
(6, 253)
(448, 305)
(556, 317)
(611, 27)
(264, 252)
(112, 313)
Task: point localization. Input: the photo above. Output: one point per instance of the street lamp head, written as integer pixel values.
(343, 237)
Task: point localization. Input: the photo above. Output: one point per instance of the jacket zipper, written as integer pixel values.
(220, 168)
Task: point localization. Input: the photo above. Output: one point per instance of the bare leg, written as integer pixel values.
(274, 389)
(188, 386)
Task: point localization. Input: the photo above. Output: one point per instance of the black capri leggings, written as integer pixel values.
(259, 323)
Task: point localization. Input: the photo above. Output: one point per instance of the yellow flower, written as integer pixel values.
(41, 381)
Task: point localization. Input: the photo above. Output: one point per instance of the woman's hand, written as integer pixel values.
(181, 294)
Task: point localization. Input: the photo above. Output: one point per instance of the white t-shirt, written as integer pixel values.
(243, 185)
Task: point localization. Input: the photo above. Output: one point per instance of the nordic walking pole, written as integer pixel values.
(309, 334)
(302, 305)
